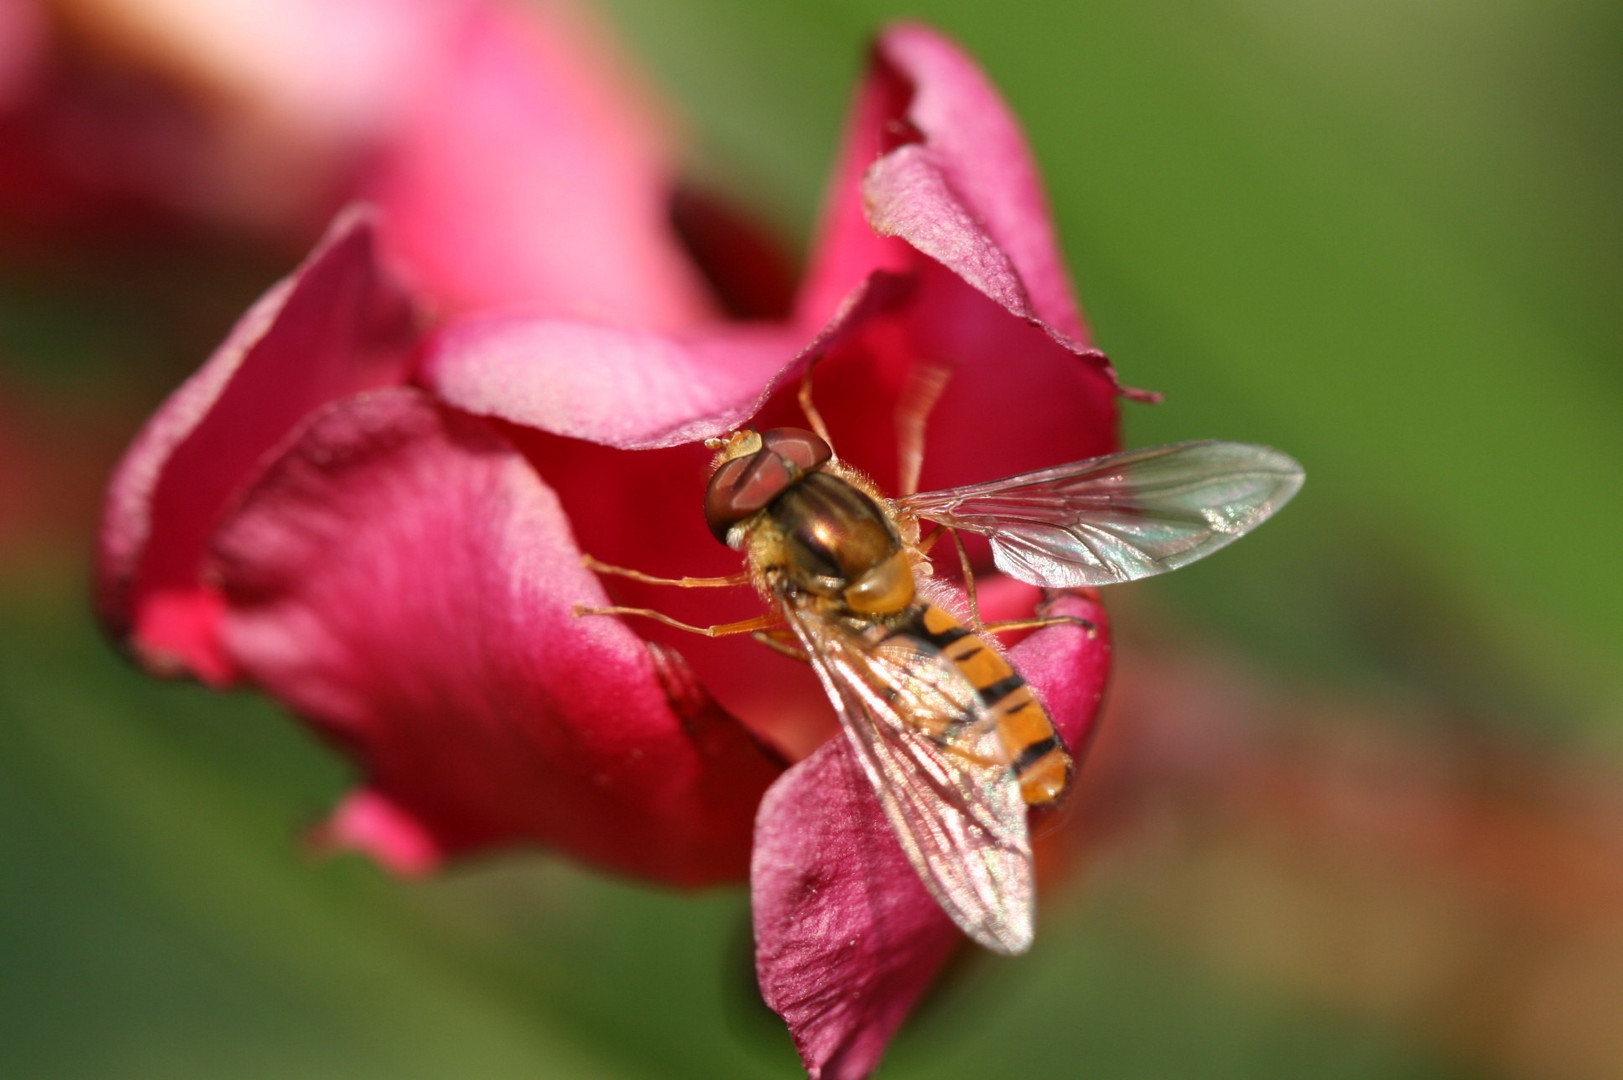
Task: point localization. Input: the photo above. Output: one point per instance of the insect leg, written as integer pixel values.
(1006, 624)
(925, 384)
(813, 417)
(744, 626)
(931, 540)
(1039, 622)
(775, 640)
(969, 578)
(741, 578)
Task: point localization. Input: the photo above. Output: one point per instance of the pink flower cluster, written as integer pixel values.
(372, 501)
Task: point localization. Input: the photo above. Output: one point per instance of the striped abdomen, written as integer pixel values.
(1036, 754)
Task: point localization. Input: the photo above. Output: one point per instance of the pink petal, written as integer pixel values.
(846, 248)
(635, 389)
(943, 167)
(338, 324)
(620, 387)
(847, 938)
(936, 191)
(404, 580)
(531, 173)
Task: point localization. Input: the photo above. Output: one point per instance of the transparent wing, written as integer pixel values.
(932, 752)
(1121, 517)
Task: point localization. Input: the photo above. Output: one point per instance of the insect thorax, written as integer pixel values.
(827, 539)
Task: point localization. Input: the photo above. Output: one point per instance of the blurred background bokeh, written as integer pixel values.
(1357, 805)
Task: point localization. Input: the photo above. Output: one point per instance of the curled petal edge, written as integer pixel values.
(338, 324)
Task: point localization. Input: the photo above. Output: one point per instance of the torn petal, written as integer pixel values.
(846, 938)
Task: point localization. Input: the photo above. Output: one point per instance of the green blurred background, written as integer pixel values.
(1387, 237)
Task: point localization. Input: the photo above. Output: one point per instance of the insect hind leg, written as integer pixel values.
(743, 626)
(1039, 622)
(600, 567)
(1004, 625)
(968, 575)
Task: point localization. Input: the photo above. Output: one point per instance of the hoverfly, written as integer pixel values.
(955, 744)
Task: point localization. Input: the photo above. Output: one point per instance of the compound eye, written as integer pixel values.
(744, 486)
(799, 447)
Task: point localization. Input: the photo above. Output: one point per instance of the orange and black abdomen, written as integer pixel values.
(1039, 759)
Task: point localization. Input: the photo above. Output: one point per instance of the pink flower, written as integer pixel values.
(450, 115)
(381, 524)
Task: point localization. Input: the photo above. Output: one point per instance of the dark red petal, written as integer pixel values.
(1015, 400)
(404, 580)
(748, 270)
(846, 938)
(338, 324)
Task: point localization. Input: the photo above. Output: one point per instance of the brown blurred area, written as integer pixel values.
(1379, 854)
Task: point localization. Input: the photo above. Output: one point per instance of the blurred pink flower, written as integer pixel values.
(378, 518)
(450, 115)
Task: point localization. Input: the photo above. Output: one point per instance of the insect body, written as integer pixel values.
(823, 545)
(954, 742)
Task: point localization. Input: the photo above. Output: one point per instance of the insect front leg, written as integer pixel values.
(813, 417)
(925, 384)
